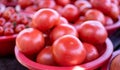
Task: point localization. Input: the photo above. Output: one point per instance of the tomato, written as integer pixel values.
(19, 28)
(70, 12)
(46, 4)
(108, 20)
(63, 29)
(31, 9)
(45, 19)
(78, 22)
(62, 21)
(58, 8)
(8, 31)
(63, 2)
(25, 3)
(45, 56)
(106, 6)
(8, 25)
(8, 12)
(92, 52)
(95, 15)
(83, 6)
(2, 21)
(114, 11)
(68, 50)
(92, 32)
(30, 41)
(15, 18)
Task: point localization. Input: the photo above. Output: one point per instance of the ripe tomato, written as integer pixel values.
(8, 12)
(92, 52)
(68, 50)
(70, 12)
(30, 41)
(63, 2)
(63, 29)
(92, 32)
(45, 56)
(95, 15)
(8, 31)
(83, 6)
(2, 21)
(25, 3)
(62, 21)
(45, 19)
(19, 28)
(46, 4)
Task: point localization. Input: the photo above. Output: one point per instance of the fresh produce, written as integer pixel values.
(68, 28)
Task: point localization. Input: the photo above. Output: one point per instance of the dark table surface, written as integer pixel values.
(10, 62)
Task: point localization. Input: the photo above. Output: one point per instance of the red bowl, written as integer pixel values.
(106, 66)
(7, 44)
(104, 50)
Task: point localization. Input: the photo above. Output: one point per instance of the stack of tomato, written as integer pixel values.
(11, 21)
(55, 41)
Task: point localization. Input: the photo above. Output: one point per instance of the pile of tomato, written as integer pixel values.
(65, 32)
(12, 21)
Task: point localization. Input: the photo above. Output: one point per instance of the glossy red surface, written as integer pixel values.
(107, 64)
(104, 50)
(7, 44)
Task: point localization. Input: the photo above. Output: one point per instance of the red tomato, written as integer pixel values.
(83, 6)
(31, 9)
(8, 31)
(45, 19)
(46, 4)
(95, 15)
(19, 28)
(25, 3)
(2, 21)
(45, 56)
(8, 25)
(8, 12)
(58, 8)
(68, 50)
(63, 29)
(30, 41)
(92, 52)
(107, 7)
(92, 32)
(108, 20)
(63, 2)
(62, 21)
(70, 12)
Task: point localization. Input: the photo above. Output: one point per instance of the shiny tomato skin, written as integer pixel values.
(25, 3)
(92, 32)
(92, 52)
(93, 14)
(62, 29)
(83, 6)
(63, 2)
(46, 4)
(8, 31)
(68, 50)
(62, 21)
(70, 12)
(45, 19)
(30, 41)
(45, 56)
